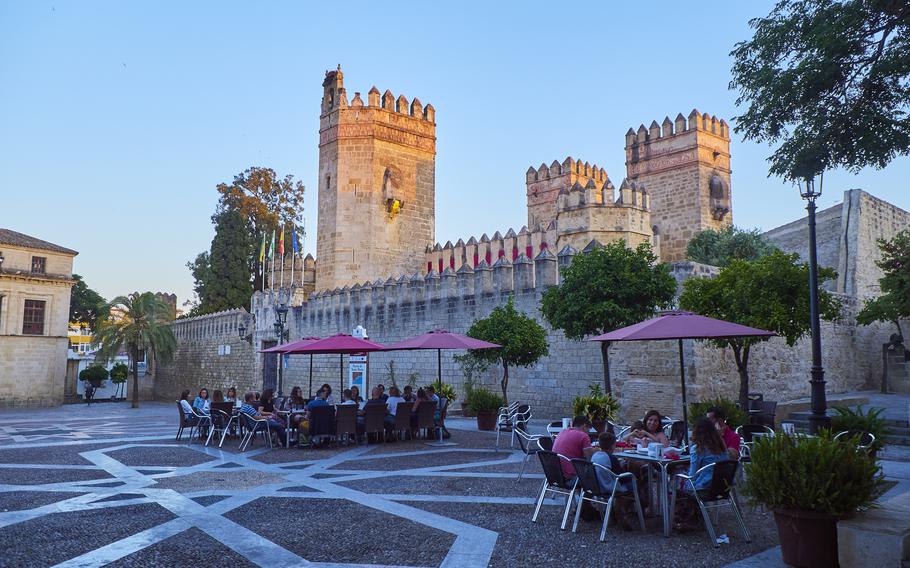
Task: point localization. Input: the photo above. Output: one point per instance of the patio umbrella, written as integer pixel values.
(341, 344)
(440, 339)
(679, 325)
(287, 347)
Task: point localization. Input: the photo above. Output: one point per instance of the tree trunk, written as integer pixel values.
(605, 353)
(741, 355)
(134, 354)
(505, 384)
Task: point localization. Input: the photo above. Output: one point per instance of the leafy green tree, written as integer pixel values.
(605, 289)
(227, 282)
(523, 340)
(894, 302)
(86, 305)
(119, 373)
(95, 374)
(266, 202)
(830, 80)
(199, 268)
(142, 326)
(719, 247)
(770, 293)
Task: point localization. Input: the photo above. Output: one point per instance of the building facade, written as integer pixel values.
(35, 281)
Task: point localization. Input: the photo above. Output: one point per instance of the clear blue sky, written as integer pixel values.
(119, 118)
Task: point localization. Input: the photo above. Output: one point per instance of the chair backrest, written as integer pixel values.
(346, 419)
(722, 478)
(322, 421)
(524, 441)
(865, 439)
(374, 417)
(747, 431)
(545, 443)
(443, 405)
(403, 415)
(249, 423)
(182, 417)
(587, 476)
(552, 469)
(425, 412)
(226, 407)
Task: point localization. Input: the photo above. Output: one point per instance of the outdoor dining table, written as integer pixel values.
(663, 483)
(287, 420)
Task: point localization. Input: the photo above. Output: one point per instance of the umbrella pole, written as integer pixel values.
(310, 392)
(340, 373)
(682, 375)
(439, 369)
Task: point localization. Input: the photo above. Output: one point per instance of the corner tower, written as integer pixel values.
(377, 177)
(685, 166)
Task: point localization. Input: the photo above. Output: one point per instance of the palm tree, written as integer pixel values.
(142, 326)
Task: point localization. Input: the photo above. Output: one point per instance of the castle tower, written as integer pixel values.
(377, 176)
(685, 166)
(545, 183)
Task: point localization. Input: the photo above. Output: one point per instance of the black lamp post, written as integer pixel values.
(819, 417)
(241, 331)
(281, 317)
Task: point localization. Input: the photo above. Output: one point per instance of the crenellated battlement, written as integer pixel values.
(564, 168)
(469, 254)
(679, 126)
(546, 183)
(335, 99)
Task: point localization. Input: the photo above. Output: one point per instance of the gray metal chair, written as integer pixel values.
(591, 490)
(529, 445)
(721, 492)
(555, 482)
(504, 422)
(865, 440)
(254, 425)
(202, 421)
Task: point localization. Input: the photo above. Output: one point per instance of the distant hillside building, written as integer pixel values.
(35, 281)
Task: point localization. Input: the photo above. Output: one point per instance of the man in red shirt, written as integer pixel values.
(574, 442)
(732, 440)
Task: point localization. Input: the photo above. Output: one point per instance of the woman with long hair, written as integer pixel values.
(650, 432)
(202, 402)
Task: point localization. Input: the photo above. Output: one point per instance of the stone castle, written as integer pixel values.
(378, 264)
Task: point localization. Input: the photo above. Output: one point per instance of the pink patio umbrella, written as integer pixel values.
(341, 344)
(288, 347)
(679, 325)
(440, 339)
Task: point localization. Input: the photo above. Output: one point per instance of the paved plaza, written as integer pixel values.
(91, 486)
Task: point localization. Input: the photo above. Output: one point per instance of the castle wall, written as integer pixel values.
(544, 184)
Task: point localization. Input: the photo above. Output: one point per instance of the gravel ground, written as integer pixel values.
(407, 485)
(364, 535)
(64, 455)
(16, 476)
(300, 489)
(532, 467)
(21, 500)
(209, 499)
(227, 480)
(523, 544)
(437, 458)
(177, 457)
(188, 548)
(54, 538)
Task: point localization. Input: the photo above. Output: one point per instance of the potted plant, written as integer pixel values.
(597, 406)
(736, 416)
(95, 374)
(471, 367)
(119, 373)
(810, 483)
(486, 405)
(445, 390)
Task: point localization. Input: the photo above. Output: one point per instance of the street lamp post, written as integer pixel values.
(819, 417)
(281, 316)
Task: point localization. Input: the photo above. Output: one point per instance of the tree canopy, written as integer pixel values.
(770, 293)
(894, 301)
(608, 288)
(222, 276)
(830, 80)
(86, 305)
(720, 247)
(142, 325)
(523, 340)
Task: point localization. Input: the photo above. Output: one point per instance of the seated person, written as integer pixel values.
(707, 448)
(376, 399)
(231, 395)
(347, 397)
(652, 431)
(392, 402)
(420, 398)
(382, 393)
(329, 397)
(431, 393)
(355, 396)
(731, 439)
(408, 394)
(189, 417)
(573, 443)
(247, 408)
(320, 400)
(607, 443)
(202, 403)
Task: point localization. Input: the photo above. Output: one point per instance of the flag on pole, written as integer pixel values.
(281, 243)
(262, 249)
(272, 248)
(294, 239)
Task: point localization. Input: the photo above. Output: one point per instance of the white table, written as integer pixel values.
(663, 490)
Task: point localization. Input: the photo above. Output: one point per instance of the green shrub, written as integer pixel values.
(444, 390)
(596, 405)
(482, 400)
(736, 417)
(95, 374)
(870, 421)
(811, 474)
(119, 373)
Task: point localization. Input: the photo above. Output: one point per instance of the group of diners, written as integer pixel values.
(294, 411)
(712, 441)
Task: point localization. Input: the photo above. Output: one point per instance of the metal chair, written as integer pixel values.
(865, 440)
(618, 429)
(322, 423)
(591, 490)
(374, 420)
(545, 443)
(505, 421)
(252, 426)
(202, 421)
(426, 419)
(402, 425)
(529, 446)
(747, 432)
(182, 423)
(555, 482)
(722, 491)
(222, 417)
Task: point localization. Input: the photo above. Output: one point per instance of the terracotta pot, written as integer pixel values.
(807, 539)
(486, 419)
(465, 411)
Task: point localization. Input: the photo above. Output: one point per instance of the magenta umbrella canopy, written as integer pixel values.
(289, 347)
(441, 339)
(340, 344)
(679, 325)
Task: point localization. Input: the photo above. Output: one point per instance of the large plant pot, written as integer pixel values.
(807, 539)
(465, 411)
(486, 419)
